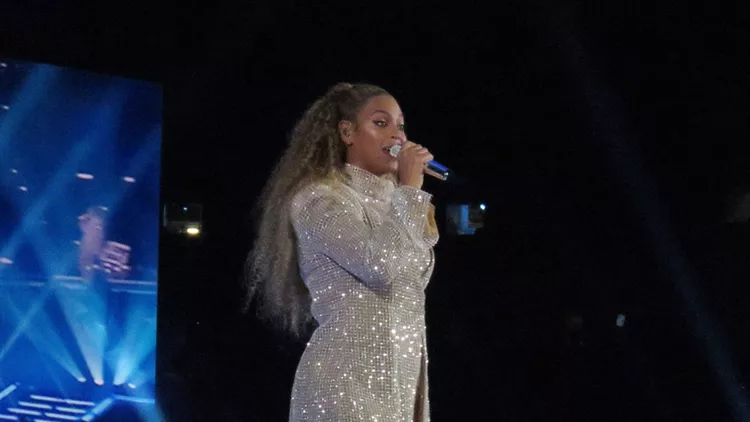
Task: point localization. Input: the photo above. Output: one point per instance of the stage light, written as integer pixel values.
(5, 107)
(70, 410)
(183, 218)
(98, 410)
(35, 405)
(41, 333)
(6, 261)
(3, 65)
(98, 382)
(61, 400)
(131, 385)
(465, 219)
(139, 400)
(138, 343)
(129, 179)
(14, 171)
(24, 411)
(61, 416)
(23, 188)
(81, 379)
(7, 391)
(89, 333)
(620, 320)
(85, 176)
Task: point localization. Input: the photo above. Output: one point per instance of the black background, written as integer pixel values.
(603, 137)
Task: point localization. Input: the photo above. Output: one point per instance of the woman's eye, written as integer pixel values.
(381, 123)
(402, 127)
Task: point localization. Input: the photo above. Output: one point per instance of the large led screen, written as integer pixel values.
(79, 231)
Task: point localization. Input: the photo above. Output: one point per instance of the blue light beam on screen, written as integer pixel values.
(139, 341)
(84, 313)
(139, 164)
(107, 116)
(98, 410)
(40, 330)
(33, 90)
(91, 339)
(148, 411)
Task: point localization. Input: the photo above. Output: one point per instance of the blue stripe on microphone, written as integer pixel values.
(437, 166)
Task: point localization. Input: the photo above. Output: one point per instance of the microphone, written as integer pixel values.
(433, 168)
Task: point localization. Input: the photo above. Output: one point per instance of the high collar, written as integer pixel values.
(366, 183)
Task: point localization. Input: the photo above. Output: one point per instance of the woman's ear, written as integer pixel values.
(345, 131)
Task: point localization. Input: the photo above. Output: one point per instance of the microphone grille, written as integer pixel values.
(394, 150)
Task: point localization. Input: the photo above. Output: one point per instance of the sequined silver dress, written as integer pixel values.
(365, 253)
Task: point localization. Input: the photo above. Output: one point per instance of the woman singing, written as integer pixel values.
(346, 237)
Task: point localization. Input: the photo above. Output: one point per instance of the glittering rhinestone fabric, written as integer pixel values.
(365, 252)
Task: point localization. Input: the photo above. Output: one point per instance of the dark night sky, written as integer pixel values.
(534, 103)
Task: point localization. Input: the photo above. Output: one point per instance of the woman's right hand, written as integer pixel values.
(412, 160)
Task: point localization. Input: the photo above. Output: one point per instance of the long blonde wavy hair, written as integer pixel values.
(315, 152)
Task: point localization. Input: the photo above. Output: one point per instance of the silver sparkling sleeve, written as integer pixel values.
(327, 221)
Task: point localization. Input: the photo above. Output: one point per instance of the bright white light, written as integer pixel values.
(14, 171)
(5, 107)
(482, 207)
(85, 176)
(59, 400)
(7, 391)
(3, 64)
(61, 416)
(135, 399)
(98, 382)
(70, 410)
(47, 398)
(131, 385)
(90, 340)
(35, 405)
(24, 411)
(6, 261)
(129, 179)
(193, 231)
(81, 379)
(79, 403)
(23, 188)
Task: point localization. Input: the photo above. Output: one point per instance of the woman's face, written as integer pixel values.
(379, 126)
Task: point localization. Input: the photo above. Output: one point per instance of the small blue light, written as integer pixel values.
(482, 207)
(184, 209)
